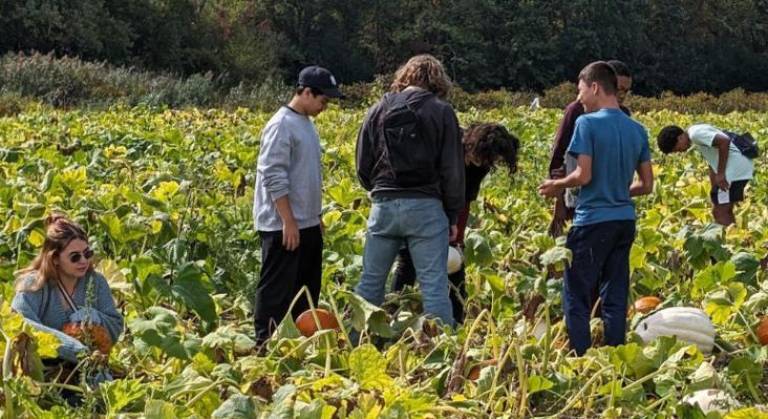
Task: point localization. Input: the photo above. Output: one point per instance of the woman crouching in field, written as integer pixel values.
(61, 294)
(485, 146)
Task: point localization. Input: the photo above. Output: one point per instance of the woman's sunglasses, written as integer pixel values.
(75, 257)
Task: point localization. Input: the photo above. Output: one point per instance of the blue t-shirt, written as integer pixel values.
(617, 144)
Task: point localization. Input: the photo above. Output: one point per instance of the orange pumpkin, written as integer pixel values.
(93, 335)
(647, 304)
(306, 322)
(762, 331)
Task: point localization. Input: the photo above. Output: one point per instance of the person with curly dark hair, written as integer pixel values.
(729, 169)
(486, 145)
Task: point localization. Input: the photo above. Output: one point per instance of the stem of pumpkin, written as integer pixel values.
(575, 398)
(746, 323)
(326, 338)
(752, 390)
(7, 373)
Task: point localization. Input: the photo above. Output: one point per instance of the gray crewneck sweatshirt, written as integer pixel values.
(289, 164)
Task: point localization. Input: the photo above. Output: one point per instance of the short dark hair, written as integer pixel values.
(620, 68)
(667, 139)
(602, 73)
(300, 89)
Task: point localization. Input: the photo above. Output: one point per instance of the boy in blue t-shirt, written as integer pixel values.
(609, 147)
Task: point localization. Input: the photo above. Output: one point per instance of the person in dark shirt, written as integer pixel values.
(560, 164)
(409, 157)
(485, 146)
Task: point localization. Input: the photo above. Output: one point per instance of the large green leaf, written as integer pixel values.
(119, 394)
(190, 287)
(236, 407)
(157, 328)
(368, 316)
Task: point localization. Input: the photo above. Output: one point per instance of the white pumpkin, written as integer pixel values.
(711, 400)
(686, 323)
(455, 260)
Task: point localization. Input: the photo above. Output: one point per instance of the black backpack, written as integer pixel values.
(412, 157)
(746, 144)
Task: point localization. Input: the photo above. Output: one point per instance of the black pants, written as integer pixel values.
(405, 274)
(283, 274)
(600, 260)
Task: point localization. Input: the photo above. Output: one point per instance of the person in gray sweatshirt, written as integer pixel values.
(287, 203)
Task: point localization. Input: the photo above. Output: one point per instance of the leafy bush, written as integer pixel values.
(69, 81)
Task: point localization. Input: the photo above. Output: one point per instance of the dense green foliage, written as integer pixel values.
(67, 82)
(684, 46)
(166, 197)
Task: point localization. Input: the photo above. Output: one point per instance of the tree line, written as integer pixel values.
(683, 46)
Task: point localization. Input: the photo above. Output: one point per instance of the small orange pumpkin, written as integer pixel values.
(762, 331)
(94, 334)
(306, 322)
(647, 304)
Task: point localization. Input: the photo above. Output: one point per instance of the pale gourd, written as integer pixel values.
(455, 259)
(711, 400)
(688, 324)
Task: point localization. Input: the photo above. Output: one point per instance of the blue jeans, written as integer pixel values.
(421, 223)
(600, 261)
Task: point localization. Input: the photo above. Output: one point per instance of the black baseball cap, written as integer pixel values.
(321, 79)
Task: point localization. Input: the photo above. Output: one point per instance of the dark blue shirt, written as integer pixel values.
(617, 145)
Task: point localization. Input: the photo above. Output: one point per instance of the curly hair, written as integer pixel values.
(492, 143)
(424, 71)
(667, 138)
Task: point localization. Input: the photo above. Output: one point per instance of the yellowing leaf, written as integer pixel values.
(47, 344)
(114, 275)
(73, 179)
(165, 191)
(157, 226)
(36, 238)
(368, 367)
(113, 152)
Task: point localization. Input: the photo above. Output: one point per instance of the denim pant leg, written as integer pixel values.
(615, 284)
(580, 278)
(382, 242)
(426, 230)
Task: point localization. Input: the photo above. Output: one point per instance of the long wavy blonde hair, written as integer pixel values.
(423, 71)
(59, 232)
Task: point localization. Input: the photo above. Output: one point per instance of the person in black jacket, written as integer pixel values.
(409, 156)
(485, 146)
